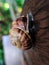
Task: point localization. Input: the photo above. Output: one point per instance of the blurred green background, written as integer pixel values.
(9, 11)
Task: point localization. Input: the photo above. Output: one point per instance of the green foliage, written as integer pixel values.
(20, 2)
(5, 22)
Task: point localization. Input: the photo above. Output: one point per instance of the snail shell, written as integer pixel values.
(19, 37)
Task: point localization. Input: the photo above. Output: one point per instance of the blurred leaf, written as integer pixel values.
(20, 2)
(6, 6)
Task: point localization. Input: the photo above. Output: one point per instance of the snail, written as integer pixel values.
(18, 34)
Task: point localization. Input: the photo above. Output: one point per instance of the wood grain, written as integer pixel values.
(40, 10)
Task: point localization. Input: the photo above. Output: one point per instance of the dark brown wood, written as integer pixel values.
(40, 10)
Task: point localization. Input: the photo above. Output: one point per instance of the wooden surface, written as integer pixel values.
(40, 10)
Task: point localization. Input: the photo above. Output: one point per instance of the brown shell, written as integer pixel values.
(18, 28)
(25, 41)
